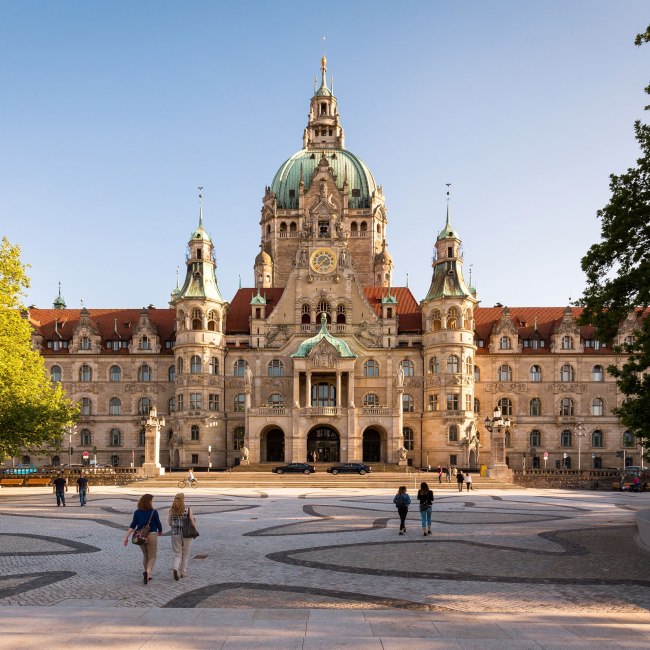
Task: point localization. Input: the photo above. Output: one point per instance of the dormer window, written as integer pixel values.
(567, 343)
(85, 343)
(323, 109)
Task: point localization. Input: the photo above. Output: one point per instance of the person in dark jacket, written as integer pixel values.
(425, 497)
(146, 515)
(460, 478)
(402, 501)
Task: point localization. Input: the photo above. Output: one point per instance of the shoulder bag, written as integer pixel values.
(189, 530)
(141, 536)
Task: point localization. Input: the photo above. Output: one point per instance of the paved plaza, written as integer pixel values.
(325, 568)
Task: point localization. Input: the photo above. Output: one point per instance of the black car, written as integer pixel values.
(349, 468)
(300, 468)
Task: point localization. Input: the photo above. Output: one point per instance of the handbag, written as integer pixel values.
(141, 536)
(189, 530)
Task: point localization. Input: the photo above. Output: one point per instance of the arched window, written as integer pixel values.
(305, 314)
(171, 373)
(535, 373)
(239, 403)
(407, 367)
(453, 364)
(453, 433)
(597, 406)
(214, 365)
(212, 321)
(597, 438)
(238, 438)
(467, 320)
(85, 373)
(171, 405)
(597, 373)
(276, 400)
(535, 406)
(340, 314)
(142, 437)
(197, 319)
(477, 405)
(324, 308)
(371, 400)
(567, 373)
(85, 343)
(567, 343)
(115, 406)
(276, 368)
(239, 369)
(409, 438)
(144, 406)
(504, 373)
(115, 460)
(408, 405)
(469, 366)
(86, 406)
(145, 343)
(453, 318)
(566, 406)
(86, 438)
(506, 406)
(179, 364)
(566, 438)
(55, 373)
(628, 439)
(144, 373)
(194, 432)
(477, 374)
(115, 373)
(115, 438)
(508, 438)
(436, 320)
(504, 343)
(434, 366)
(195, 364)
(535, 438)
(371, 368)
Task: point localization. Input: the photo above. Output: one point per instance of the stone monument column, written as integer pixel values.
(152, 425)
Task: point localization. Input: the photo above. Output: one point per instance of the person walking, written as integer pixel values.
(468, 481)
(145, 515)
(439, 474)
(181, 546)
(82, 489)
(60, 487)
(460, 478)
(448, 473)
(402, 501)
(425, 497)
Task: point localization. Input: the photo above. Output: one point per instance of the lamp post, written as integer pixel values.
(71, 431)
(581, 431)
(209, 457)
(498, 426)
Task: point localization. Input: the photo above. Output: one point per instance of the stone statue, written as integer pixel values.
(248, 376)
(400, 376)
(403, 451)
(245, 453)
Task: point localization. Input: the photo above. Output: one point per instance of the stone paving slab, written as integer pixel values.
(309, 568)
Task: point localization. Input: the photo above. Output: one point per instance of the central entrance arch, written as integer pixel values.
(323, 445)
(371, 446)
(275, 446)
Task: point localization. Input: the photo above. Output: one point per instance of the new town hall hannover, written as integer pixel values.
(324, 356)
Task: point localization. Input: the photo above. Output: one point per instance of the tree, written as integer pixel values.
(618, 280)
(33, 411)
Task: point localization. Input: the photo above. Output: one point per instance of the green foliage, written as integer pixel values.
(33, 412)
(618, 277)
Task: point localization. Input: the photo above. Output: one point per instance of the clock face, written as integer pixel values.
(323, 260)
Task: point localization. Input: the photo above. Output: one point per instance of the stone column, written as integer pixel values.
(308, 389)
(351, 390)
(338, 388)
(152, 466)
(498, 467)
(296, 389)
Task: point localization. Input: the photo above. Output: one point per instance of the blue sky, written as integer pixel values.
(112, 113)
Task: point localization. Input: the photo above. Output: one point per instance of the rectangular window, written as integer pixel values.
(433, 403)
(453, 459)
(196, 401)
(180, 405)
(452, 402)
(213, 402)
(195, 459)
(468, 402)
(356, 193)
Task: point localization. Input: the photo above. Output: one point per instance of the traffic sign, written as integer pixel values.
(85, 454)
(546, 455)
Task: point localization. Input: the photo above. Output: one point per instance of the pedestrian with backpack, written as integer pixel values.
(402, 501)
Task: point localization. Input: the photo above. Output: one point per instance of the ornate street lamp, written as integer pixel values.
(581, 431)
(152, 425)
(498, 426)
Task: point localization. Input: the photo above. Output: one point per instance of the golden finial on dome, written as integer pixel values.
(323, 63)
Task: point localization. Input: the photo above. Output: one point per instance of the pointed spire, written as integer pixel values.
(447, 224)
(59, 302)
(200, 206)
(177, 272)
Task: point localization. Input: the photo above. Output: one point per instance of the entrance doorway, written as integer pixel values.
(371, 446)
(472, 458)
(275, 446)
(323, 445)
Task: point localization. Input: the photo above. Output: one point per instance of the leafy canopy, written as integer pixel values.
(33, 411)
(618, 277)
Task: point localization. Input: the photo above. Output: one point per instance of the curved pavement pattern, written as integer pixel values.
(299, 568)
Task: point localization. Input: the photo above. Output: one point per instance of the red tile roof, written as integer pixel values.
(237, 320)
(408, 309)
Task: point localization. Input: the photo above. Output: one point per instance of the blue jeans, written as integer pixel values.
(426, 517)
(82, 497)
(60, 498)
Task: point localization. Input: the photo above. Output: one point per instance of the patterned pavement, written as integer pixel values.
(564, 555)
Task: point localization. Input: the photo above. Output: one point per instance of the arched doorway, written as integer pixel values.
(275, 446)
(177, 458)
(371, 446)
(472, 458)
(598, 462)
(323, 445)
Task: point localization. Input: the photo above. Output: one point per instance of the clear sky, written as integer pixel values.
(113, 112)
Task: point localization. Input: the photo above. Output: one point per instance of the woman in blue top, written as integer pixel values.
(425, 497)
(145, 514)
(402, 501)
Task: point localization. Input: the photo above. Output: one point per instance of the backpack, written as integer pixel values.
(400, 501)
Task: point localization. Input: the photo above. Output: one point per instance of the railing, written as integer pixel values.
(321, 410)
(286, 234)
(377, 410)
(270, 410)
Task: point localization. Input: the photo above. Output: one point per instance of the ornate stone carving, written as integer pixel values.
(561, 387)
(506, 387)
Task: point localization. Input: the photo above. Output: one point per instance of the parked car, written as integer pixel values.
(349, 468)
(22, 469)
(300, 468)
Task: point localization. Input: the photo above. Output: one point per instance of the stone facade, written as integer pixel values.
(323, 358)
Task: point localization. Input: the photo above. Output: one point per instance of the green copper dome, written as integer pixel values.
(339, 345)
(286, 183)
